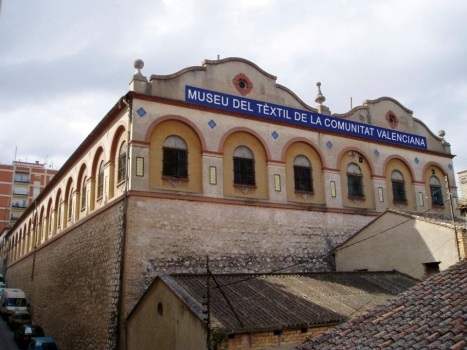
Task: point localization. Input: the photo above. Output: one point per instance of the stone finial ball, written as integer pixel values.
(139, 64)
(441, 133)
(318, 84)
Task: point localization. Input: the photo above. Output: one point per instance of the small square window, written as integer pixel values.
(431, 269)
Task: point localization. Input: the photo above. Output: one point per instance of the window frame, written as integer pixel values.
(70, 205)
(122, 163)
(399, 194)
(175, 158)
(355, 188)
(244, 172)
(435, 192)
(100, 180)
(174, 163)
(83, 194)
(303, 175)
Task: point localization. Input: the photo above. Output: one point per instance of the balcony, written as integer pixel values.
(20, 193)
(22, 205)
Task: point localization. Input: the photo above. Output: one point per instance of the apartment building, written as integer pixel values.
(20, 183)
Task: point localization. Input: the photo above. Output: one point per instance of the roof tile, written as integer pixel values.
(432, 315)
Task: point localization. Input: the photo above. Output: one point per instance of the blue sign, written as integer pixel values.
(299, 117)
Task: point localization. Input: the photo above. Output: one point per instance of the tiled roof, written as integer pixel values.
(277, 301)
(435, 218)
(431, 315)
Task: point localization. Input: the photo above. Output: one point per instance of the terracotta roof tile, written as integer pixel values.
(460, 345)
(431, 315)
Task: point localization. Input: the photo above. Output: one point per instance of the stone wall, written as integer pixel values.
(75, 284)
(175, 236)
(73, 287)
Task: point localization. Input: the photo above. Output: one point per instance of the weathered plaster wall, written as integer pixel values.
(397, 242)
(162, 321)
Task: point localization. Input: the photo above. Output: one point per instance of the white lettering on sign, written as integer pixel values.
(299, 117)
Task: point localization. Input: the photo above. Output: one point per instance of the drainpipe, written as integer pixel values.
(129, 102)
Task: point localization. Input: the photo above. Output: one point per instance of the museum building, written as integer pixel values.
(215, 160)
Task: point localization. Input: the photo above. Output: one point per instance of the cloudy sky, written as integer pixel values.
(64, 64)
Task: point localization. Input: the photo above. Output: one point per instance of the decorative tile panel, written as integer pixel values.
(333, 189)
(329, 144)
(139, 166)
(141, 112)
(277, 182)
(275, 135)
(213, 175)
(212, 124)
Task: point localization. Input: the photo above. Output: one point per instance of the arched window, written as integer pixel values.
(302, 174)
(100, 180)
(70, 204)
(435, 191)
(122, 163)
(244, 166)
(175, 158)
(59, 215)
(398, 187)
(83, 194)
(50, 218)
(354, 180)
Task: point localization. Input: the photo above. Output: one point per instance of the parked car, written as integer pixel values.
(13, 299)
(42, 343)
(19, 317)
(25, 332)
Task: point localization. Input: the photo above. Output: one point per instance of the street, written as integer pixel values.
(6, 337)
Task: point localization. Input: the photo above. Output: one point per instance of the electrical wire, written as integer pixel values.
(322, 256)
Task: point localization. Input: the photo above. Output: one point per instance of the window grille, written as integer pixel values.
(244, 166)
(175, 157)
(435, 191)
(398, 187)
(354, 180)
(303, 174)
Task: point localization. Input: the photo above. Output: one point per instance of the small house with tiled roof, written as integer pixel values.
(412, 243)
(263, 311)
(431, 315)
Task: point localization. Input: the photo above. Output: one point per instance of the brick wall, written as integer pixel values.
(462, 239)
(266, 340)
(74, 290)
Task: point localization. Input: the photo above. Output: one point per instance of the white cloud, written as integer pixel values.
(66, 63)
(53, 128)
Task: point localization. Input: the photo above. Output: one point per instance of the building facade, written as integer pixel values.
(215, 160)
(420, 245)
(20, 183)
